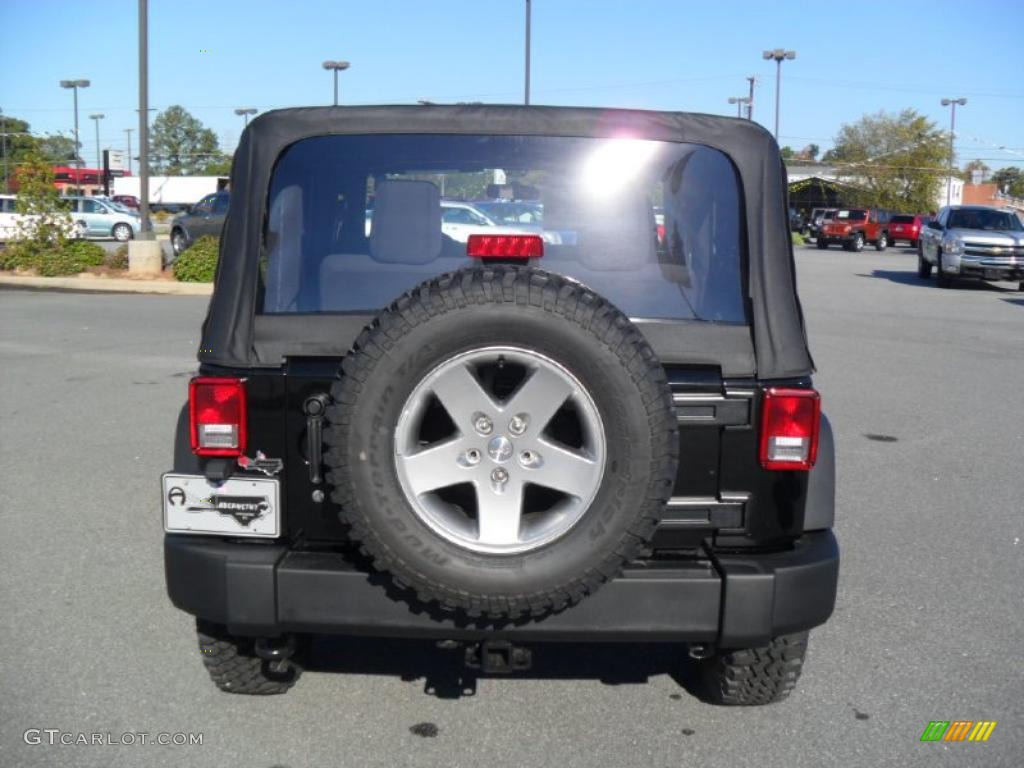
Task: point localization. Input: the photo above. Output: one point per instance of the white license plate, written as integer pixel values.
(240, 506)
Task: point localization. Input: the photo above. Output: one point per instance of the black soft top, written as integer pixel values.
(779, 341)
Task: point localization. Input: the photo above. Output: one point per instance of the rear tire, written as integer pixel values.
(122, 233)
(857, 243)
(822, 243)
(755, 676)
(179, 243)
(234, 666)
(882, 242)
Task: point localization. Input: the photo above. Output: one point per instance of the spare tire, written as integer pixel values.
(501, 441)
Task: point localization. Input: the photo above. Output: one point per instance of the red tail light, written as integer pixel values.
(505, 247)
(789, 428)
(217, 413)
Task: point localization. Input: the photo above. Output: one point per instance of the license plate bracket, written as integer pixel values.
(238, 506)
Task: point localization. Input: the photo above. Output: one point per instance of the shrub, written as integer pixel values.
(118, 259)
(797, 238)
(199, 263)
(53, 259)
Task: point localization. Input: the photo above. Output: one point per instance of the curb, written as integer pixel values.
(106, 285)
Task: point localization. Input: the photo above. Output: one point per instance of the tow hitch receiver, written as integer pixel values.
(498, 657)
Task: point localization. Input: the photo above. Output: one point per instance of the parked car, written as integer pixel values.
(128, 201)
(460, 220)
(974, 242)
(95, 218)
(517, 213)
(817, 218)
(204, 218)
(796, 220)
(855, 227)
(906, 226)
(391, 436)
(11, 221)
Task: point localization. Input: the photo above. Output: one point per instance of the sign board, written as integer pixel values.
(116, 160)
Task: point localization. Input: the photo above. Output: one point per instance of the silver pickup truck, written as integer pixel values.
(972, 241)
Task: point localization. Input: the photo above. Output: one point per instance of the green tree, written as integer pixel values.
(894, 161)
(48, 222)
(1010, 181)
(975, 165)
(58, 149)
(218, 167)
(787, 153)
(181, 144)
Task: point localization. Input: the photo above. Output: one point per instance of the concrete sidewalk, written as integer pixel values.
(92, 283)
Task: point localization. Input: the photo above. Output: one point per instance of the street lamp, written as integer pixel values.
(128, 133)
(96, 119)
(739, 101)
(74, 85)
(245, 112)
(779, 54)
(336, 66)
(952, 130)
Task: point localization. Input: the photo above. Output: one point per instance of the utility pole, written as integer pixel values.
(526, 95)
(128, 133)
(779, 55)
(952, 132)
(750, 99)
(146, 226)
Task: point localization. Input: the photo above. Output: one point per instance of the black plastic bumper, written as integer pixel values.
(732, 600)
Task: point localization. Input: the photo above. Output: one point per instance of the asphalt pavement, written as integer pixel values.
(923, 387)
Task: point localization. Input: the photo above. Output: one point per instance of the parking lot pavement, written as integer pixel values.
(922, 386)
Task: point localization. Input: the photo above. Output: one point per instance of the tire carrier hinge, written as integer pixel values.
(314, 408)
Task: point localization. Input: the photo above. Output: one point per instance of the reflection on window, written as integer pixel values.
(655, 227)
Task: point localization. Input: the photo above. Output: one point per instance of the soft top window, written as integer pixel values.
(355, 220)
(901, 218)
(851, 215)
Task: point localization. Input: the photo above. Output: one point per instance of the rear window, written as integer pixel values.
(354, 221)
(851, 215)
(902, 219)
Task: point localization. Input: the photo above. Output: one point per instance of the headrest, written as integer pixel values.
(406, 225)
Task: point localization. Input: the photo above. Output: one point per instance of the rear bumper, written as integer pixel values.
(731, 600)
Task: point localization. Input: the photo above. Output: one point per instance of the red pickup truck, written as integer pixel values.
(854, 227)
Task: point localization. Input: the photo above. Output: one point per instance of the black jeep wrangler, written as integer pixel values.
(597, 426)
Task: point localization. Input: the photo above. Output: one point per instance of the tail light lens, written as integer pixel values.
(217, 413)
(789, 428)
(505, 247)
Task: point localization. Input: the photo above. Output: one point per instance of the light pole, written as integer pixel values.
(336, 66)
(739, 101)
(750, 102)
(952, 131)
(526, 95)
(146, 226)
(128, 133)
(74, 85)
(779, 54)
(245, 112)
(3, 135)
(96, 119)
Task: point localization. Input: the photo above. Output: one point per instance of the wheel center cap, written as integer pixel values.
(500, 448)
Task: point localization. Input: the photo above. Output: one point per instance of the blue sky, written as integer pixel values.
(650, 54)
